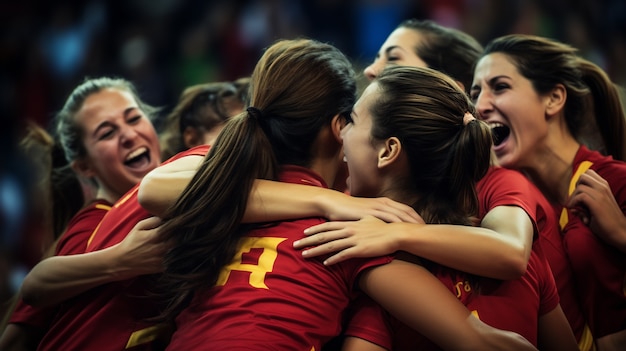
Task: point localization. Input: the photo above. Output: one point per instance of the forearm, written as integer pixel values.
(474, 250)
(160, 188)
(272, 201)
(58, 278)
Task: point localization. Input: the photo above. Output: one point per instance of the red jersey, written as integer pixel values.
(73, 241)
(505, 187)
(599, 268)
(111, 316)
(525, 299)
(269, 296)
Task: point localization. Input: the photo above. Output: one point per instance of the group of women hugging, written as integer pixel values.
(469, 198)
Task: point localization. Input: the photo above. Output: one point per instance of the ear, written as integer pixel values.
(336, 125)
(556, 100)
(191, 137)
(83, 168)
(389, 152)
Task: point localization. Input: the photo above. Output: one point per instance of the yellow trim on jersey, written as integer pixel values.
(125, 198)
(103, 207)
(93, 234)
(145, 335)
(582, 168)
(586, 340)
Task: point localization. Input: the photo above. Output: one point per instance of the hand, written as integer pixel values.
(593, 201)
(346, 208)
(367, 237)
(141, 252)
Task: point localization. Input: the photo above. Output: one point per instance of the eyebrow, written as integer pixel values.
(104, 124)
(490, 81)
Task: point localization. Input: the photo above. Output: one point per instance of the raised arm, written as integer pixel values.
(498, 249)
(58, 278)
(417, 298)
(271, 201)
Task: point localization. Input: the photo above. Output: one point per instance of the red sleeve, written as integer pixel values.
(39, 318)
(369, 321)
(505, 187)
(549, 296)
(80, 227)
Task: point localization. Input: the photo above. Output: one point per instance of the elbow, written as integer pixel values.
(515, 268)
(146, 198)
(29, 294)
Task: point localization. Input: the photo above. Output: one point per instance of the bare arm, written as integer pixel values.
(16, 337)
(499, 249)
(58, 278)
(414, 296)
(269, 200)
(357, 344)
(555, 332)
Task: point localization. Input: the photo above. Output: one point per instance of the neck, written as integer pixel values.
(551, 169)
(107, 195)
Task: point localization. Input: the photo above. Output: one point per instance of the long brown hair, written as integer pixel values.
(592, 99)
(425, 110)
(297, 87)
(446, 49)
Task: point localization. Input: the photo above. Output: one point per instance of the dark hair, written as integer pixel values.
(592, 99)
(56, 192)
(447, 50)
(202, 107)
(425, 110)
(68, 132)
(297, 87)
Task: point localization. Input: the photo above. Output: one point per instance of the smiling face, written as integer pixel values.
(507, 101)
(398, 49)
(120, 142)
(360, 150)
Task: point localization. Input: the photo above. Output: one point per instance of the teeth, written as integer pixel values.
(136, 153)
(495, 124)
(345, 159)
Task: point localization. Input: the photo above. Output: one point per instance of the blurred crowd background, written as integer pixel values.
(48, 47)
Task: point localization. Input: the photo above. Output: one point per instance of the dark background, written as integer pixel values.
(48, 47)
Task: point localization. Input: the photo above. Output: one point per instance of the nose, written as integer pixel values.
(484, 104)
(372, 71)
(128, 135)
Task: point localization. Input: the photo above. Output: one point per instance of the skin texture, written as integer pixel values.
(398, 49)
(503, 96)
(542, 147)
(114, 131)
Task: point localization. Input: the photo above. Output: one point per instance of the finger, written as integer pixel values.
(325, 249)
(340, 257)
(324, 227)
(403, 212)
(318, 239)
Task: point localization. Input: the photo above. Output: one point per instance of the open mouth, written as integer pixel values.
(138, 158)
(500, 133)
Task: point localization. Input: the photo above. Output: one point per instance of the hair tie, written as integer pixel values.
(467, 118)
(255, 113)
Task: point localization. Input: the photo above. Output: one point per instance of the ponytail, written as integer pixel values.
(607, 109)
(203, 226)
(470, 161)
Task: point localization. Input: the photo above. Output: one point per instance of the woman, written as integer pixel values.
(412, 139)
(424, 43)
(509, 204)
(100, 284)
(253, 276)
(108, 138)
(538, 96)
(200, 114)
